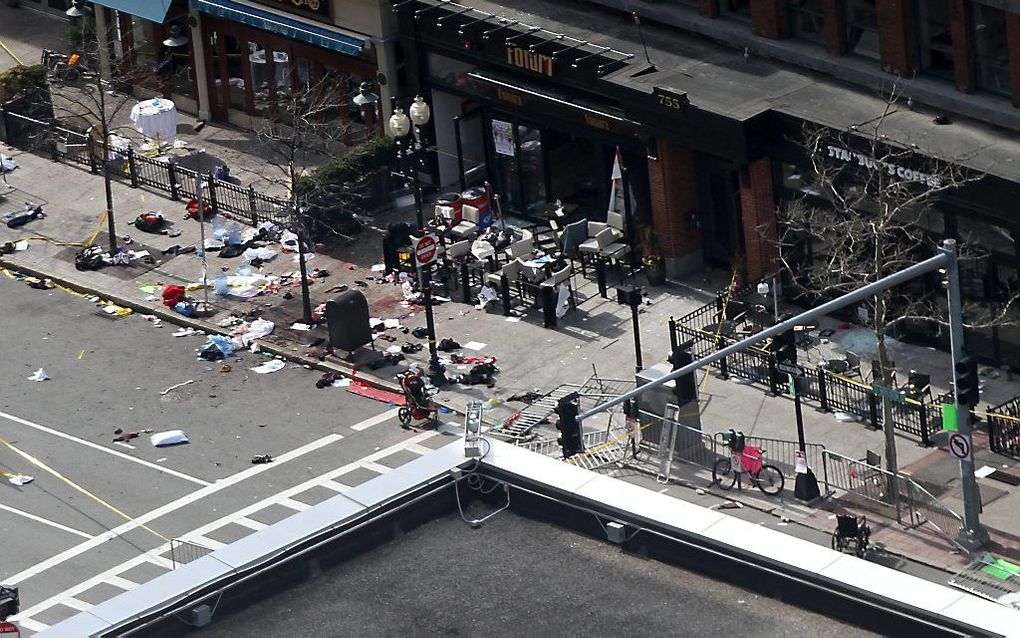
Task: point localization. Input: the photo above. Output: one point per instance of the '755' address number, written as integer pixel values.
(674, 100)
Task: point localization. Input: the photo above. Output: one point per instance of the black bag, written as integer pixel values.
(89, 259)
(233, 250)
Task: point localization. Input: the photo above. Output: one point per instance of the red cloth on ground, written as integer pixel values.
(172, 295)
(192, 208)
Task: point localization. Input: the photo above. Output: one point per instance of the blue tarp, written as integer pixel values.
(280, 25)
(154, 10)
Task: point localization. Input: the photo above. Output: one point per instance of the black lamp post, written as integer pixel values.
(411, 152)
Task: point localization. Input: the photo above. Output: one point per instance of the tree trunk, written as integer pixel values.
(883, 375)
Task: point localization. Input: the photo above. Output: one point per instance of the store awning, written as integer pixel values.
(154, 10)
(280, 25)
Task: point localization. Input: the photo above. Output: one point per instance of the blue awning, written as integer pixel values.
(154, 10)
(275, 23)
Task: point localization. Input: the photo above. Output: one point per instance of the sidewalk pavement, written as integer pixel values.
(597, 337)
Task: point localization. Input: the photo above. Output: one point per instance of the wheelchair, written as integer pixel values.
(851, 531)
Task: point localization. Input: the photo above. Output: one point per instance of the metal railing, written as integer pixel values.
(1004, 427)
(183, 552)
(831, 391)
(783, 453)
(895, 495)
(164, 175)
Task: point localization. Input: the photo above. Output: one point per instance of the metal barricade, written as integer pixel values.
(183, 552)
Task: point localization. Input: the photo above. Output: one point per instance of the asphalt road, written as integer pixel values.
(64, 549)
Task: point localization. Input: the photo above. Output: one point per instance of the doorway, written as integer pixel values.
(720, 213)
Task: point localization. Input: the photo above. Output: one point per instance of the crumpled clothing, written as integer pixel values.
(262, 254)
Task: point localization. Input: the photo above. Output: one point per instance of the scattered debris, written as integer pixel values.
(300, 326)
(269, 366)
(185, 332)
(327, 379)
(259, 459)
(171, 437)
(39, 375)
(124, 437)
(174, 387)
(225, 367)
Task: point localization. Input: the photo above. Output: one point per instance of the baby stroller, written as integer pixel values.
(851, 530)
(418, 399)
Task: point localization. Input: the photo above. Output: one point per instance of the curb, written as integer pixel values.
(172, 317)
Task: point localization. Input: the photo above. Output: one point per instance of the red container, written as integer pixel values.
(479, 198)
(454, 201)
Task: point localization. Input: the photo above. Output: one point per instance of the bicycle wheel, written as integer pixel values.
(723, 474)
(770, 480)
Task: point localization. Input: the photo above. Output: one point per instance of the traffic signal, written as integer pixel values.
(785, 345)
(686, 386)
(568, 425)
(9, 602)
(967, 392)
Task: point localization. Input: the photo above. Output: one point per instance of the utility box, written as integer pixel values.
(348, 320)
(652, 404)
(201, 616)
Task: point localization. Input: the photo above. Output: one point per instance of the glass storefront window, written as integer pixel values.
(260, 74)
(447, 70)
(862, 28)
(532, 168)
(935, 38)
(504, 143)
(238, 98)
(991, 55)
(807, 20)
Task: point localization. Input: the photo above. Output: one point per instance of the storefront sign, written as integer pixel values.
(529, 60)
(316, 8)
(670, 99)
(509, 96)
(846, 155)
(503, 137)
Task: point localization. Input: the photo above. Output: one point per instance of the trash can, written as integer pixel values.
(348, 321)
(479, 198)
(454, 201)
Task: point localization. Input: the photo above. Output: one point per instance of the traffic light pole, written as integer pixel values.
(944, 259)
(974, 534)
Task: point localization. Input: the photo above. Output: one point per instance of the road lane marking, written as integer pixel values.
(376, 420)
(294, 505)
(172, 506)
(120, 581)
(378, 468)
(156, 555)
(251, 523)
(31, 625)
(94, 446)
(198, 535)
(46, 521)
(75, 603)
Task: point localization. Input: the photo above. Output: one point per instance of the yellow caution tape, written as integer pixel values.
(11, 53)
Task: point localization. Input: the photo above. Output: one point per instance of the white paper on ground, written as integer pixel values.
(391, 323)
(474, 345)
(393, 349)
(20, 479)
(300, 326)
(171, 437)
(378, 267)
(39, 375)
(341, 383)
(269, 366)
(984, 471)
(21, 245)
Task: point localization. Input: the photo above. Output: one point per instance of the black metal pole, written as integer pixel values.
(638, 366)
(806, 484)
(306, 300)
(435, 369)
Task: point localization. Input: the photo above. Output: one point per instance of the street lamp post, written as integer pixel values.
(410, 150)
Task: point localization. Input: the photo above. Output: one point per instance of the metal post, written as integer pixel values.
(973, 534)
(201, 230)
(105, 163)
(638, 366)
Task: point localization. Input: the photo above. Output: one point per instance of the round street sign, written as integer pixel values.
(425, 250)
(9, 630)
(959, 446)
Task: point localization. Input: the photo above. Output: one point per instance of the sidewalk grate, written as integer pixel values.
(1005, 477)
(993, 578)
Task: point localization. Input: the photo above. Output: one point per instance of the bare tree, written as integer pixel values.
(87, 98)
(303, 129)
(864, 217)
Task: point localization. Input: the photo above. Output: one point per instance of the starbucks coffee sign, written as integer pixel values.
(321, 9)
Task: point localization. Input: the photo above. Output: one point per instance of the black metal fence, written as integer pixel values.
(832, 392)
(163, 174)
(1004, 427)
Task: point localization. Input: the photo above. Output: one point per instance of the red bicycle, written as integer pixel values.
(748, 459)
